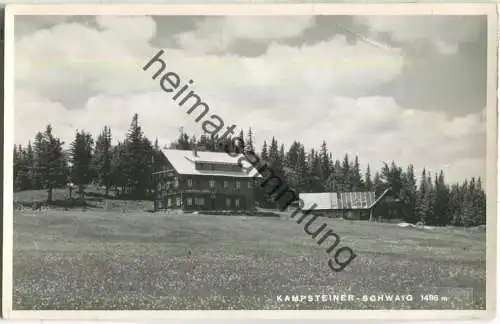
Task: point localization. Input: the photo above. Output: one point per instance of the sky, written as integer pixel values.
(410, 89)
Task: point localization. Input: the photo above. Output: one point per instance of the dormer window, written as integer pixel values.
(217, 166)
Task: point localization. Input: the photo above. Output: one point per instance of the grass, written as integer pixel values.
(98, 260)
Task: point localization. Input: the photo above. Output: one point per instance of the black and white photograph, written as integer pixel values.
(250, 158)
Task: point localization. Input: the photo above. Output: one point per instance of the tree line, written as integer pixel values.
(127, 166)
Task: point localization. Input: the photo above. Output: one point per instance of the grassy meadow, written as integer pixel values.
(127, 258)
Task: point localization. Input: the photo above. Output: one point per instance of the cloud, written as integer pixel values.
(39, 22)
(444, 32)
(215, 34)
(307, 93)
(69, 69)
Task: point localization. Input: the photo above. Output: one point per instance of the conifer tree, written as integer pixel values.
(368, 179)
(81, 160)
(264, 155)
(441, 211)
(346, 174)
(325, 162)
(467, 210)
(409, 196)
(301, 167)
(480, 199)
(357, 180)
(137, 159)
(313, 177)
(274, 154)
(282, 157)
(249, 148)
(291, 161)
(118, 165)
(103, 157)
(50, 161)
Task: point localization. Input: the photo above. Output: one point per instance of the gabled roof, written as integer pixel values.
(184, 163)
(342, 200)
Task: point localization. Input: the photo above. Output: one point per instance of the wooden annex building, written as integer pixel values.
(201, 180)
(349, 205)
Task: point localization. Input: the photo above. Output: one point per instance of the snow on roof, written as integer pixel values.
(323, 200)
(184, 163)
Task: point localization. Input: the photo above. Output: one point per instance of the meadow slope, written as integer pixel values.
(137, 260)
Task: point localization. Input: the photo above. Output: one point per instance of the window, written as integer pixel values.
(237, 203)
(189, 201)
(176, 183)
(228, 202)
(211, 183)
(169, 202)
(178, 201)
(199, 201)
(190, 182)
(226, 184)
(249, 184)
(238, 185)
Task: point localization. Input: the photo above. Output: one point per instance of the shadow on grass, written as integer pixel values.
(61, 203)
(239, 213)
(96, 196)
(103, 196)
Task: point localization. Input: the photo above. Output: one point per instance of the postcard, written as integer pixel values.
(250, 161)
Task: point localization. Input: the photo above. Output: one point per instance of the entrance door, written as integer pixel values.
(211, 202)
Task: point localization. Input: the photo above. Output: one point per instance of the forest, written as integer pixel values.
(126, 168)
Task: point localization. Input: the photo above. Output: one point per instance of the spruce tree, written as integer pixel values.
(357, 180)
(137, 154)
(441, 203)
(118, 165)
(81, 160)
(325, 161)
(50, 162)
(291, 162)
(249, 148)
(346, 184)
(422, 207)
(103, 157)
(480, 199)
(368, 179)
(301, 167)
(264, 154)
(455, 205)
(409, 196)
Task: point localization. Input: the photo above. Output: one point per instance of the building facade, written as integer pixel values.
(201, 180)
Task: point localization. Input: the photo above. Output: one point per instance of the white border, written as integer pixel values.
(488, 9)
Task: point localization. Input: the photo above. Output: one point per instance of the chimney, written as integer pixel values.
(195, 149)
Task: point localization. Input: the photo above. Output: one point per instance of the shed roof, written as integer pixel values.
(338, 201)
